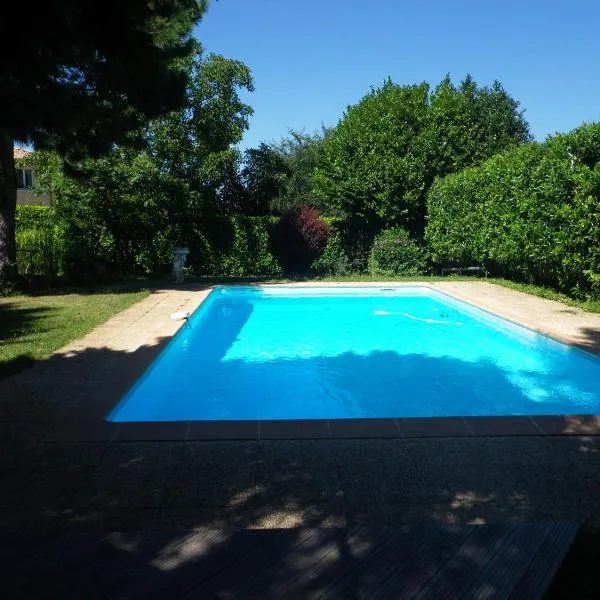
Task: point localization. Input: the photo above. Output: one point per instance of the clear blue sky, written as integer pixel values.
(310, 59)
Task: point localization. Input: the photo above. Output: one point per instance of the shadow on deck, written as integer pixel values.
(511, 561)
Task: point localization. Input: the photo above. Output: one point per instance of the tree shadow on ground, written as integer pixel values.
(17, 322)
(428, 561)
(70, 488)
(590, 339)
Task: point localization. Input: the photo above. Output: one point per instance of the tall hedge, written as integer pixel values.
(532, 214)
(232, 246)
(237, 246)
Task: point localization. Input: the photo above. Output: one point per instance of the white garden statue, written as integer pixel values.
(179, 259)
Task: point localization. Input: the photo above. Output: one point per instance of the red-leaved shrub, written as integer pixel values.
(299, 238)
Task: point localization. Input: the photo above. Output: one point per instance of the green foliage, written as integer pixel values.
(29, 217)
(40, 241)
(299, 238)
(220, 246)
(301, 154)
(263, 178)
(356, 236)
(469, 124)
(379, 161)
(232, 246)
(87, 75)
(394, 253)
(532, 214)
(193, 149)
(370, 166)
(334, 260)
(125, 211)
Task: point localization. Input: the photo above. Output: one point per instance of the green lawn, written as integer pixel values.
(31, 327)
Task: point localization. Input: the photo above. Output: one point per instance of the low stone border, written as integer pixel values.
(418, 427)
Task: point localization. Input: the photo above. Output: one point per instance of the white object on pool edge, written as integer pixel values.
(180, 316)
(384, 313)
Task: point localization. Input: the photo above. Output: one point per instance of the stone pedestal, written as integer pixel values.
(179, 259)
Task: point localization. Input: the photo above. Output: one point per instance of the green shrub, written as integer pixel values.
(334, 260)
(40, 241)
(235, 246)
(31, 216)
(299, 238)
(531, 214)
(356, 235)
(81, 249)
(394, 253)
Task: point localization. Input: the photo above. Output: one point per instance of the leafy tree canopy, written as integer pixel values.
(384, 154)
(301, 153)
(263, 175)
(196, 145)
(87, 74)
(138, 201)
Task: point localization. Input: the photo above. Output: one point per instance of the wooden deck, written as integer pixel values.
(428, 561)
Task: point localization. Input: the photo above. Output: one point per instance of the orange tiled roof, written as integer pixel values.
(20, 153)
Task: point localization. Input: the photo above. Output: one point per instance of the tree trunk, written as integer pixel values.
(8, 203)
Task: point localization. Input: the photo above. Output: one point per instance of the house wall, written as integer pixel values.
(27, 197)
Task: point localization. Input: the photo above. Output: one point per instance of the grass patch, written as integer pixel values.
(589, 304)
(32, 327)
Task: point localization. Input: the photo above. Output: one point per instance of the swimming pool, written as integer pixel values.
(318, 352)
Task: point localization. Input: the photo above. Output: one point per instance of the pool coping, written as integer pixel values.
(95, 430)
(324, 429)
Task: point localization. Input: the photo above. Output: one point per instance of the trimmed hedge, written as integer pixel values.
(236, 246)
(531, 214)
(241, 246)
(32, 216)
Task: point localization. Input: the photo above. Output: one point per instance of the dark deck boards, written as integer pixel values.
(419, 561)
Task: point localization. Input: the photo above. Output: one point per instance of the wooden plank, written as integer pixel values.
(394, 567)
(269, 548)
(455, 577)
(365, 570)
(188, 563)
(506, 567)
(420, 561)
(118, 558)
(419, 568)
(296, 573)
(40, 567)
(542, 567)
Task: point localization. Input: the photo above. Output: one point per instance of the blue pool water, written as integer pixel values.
(312, 353)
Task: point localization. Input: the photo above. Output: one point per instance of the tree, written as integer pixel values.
(380, 160)
(195, 145)
(263, 176)
(134, 203)
(87, 75)
(371, 165)
(301, 153)
(469, 124)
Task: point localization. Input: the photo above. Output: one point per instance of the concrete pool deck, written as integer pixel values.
(491, 478)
